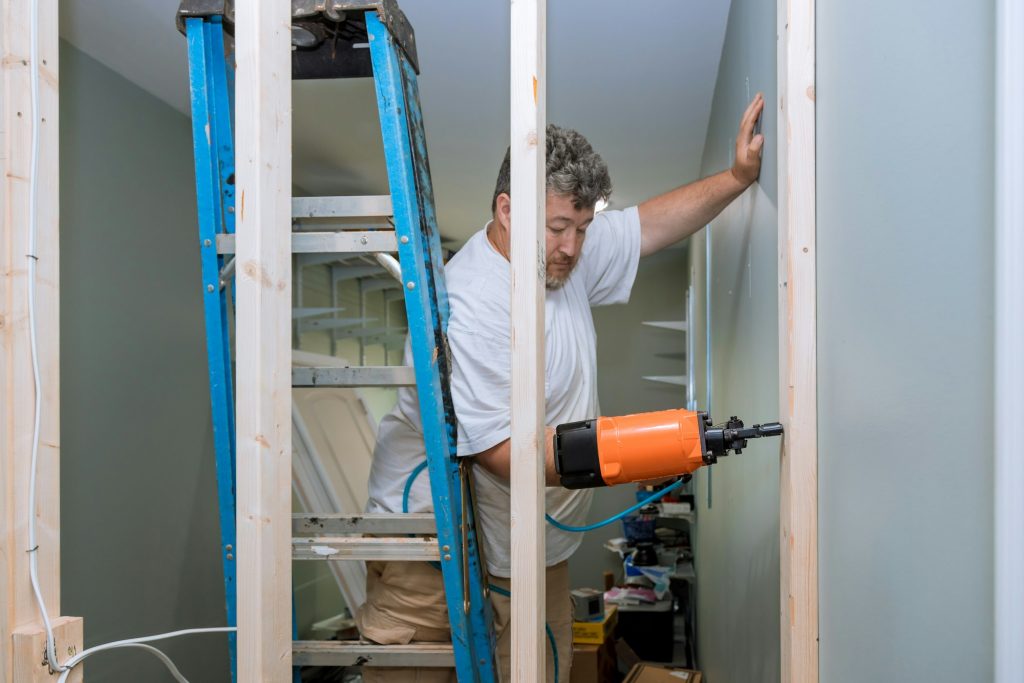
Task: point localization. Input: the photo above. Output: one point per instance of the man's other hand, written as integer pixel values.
(749, 146)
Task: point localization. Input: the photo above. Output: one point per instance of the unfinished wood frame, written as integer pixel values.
(1009, 346)
(798, 499)
(21, 630)
(528, 443)
(263, 340)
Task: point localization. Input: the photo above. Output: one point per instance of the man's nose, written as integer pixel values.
(570, 243)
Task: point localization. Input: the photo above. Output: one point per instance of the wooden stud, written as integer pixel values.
(797, 344)
(528, 123)
(263, 323)
(29, 646)
(18, 610)
(1009, 342)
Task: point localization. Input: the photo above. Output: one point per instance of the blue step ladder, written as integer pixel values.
(330, 40)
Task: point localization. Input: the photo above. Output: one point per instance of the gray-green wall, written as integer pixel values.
(139, 531)
(905, 99)
(626, 351)
(904, 171)
(737, 557)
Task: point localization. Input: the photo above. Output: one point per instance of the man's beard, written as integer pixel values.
(552, 282)
(555, 282)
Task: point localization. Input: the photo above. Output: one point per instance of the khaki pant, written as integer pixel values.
(405, 603)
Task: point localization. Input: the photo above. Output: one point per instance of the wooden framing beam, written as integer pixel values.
(263, 339)
(528, 123)
(1009, 342)
(797, 343)
(21, 629)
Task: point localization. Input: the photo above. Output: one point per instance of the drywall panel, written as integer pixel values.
(905, 156)
(737, 531)
(138, 501)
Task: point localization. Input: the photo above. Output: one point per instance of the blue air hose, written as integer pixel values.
(553, 522)
(551, 636)
(614, 518)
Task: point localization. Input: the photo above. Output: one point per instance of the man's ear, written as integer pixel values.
(503, 210)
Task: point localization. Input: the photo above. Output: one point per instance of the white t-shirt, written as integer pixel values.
(478, 282)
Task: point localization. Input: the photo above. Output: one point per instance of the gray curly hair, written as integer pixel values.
(573, 168)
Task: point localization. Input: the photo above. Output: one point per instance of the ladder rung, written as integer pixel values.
(347, 241)
(342, 207)
(369, 523)
(412, 549)
(364, 376)
(356, 653)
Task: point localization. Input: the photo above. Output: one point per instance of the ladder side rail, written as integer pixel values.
(222, 78)
(480, 616)
(471, 622)
(208, 195)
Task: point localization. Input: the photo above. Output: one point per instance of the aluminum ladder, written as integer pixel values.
(346, 29)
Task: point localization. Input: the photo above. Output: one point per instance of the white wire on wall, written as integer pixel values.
(33, 546)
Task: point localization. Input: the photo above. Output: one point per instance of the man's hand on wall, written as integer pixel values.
(749, 146)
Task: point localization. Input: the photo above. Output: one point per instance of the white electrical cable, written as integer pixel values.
(140, 643)
(33, 547)
(152, 650)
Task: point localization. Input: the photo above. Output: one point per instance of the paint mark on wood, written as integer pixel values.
(535, 91)
(323, 550)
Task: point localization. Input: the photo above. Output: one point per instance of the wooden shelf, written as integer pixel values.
(677, 325)
(675, 380)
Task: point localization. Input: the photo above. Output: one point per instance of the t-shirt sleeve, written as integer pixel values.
(610, 256)
(481, 388)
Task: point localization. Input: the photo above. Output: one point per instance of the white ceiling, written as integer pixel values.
(636, 78)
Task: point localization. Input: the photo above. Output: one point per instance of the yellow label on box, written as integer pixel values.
(595, 632)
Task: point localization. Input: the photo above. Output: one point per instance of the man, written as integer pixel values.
(591, 261)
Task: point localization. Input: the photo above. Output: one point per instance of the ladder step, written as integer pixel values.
(356, 653)
(369, 523)
(342, 207)
(364, 376)
(348, 241)
(404, 548)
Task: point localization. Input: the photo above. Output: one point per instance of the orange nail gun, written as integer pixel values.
(605, 451)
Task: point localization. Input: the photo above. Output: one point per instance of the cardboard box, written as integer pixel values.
(646, 672)
(593, 663)
(595, 632)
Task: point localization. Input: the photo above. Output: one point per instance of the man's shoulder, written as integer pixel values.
(476, 270)
(477, 279)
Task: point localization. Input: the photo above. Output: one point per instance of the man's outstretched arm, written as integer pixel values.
(498, 459)
(677, 214)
